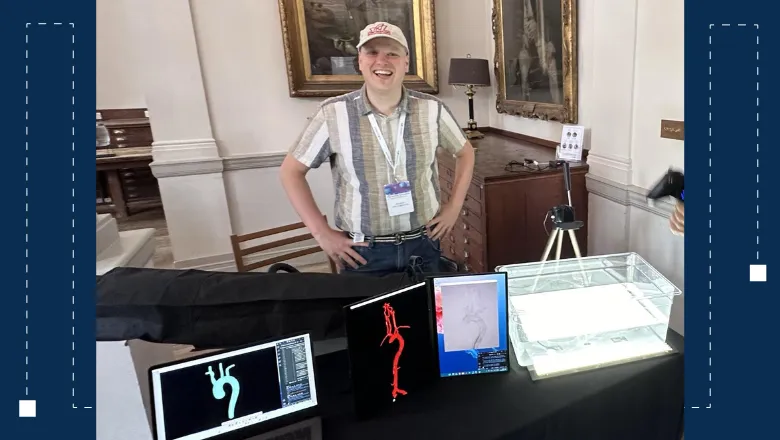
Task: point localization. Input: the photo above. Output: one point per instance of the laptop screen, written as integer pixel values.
(233, 389)
(471, 323)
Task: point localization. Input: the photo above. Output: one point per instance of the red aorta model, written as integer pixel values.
(392, 333)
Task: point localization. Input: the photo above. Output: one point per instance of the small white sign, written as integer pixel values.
(572, 142)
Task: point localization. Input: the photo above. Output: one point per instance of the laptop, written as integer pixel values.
(391, 348)
(472, 335)
(234, 393)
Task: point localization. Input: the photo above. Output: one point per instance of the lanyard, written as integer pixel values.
(399, 141)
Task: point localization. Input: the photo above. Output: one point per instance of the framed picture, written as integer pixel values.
(536, 58)
(320, 38)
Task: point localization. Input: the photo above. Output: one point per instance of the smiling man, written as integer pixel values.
(381, 144)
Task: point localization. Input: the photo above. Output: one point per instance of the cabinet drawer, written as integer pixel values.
(447, 181)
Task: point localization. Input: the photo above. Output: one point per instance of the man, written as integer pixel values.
(381, 143)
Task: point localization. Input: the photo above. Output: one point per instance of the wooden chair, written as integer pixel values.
(240, 254)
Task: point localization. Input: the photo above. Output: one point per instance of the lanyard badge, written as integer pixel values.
(399, 193)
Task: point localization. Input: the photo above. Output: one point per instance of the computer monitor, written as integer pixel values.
(391, 348)
(245, 390)
(472, 333)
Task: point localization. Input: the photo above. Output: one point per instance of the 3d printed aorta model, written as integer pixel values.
(218, 387)
(394, 335)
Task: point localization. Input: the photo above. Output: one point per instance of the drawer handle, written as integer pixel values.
(452, 250)
(452, 239)
(120, 139)
(466, 240)
(464, 213)
(467, 267)
(120, 131)
(466, 254)
(465, 226)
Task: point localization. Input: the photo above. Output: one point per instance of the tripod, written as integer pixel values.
(564, 220)
(557, 235)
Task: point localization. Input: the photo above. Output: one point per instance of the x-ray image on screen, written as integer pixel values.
(471, 321)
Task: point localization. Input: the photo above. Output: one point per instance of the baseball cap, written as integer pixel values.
(382, 29)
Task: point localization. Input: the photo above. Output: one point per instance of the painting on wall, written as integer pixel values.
(320, 37)
(536, 58)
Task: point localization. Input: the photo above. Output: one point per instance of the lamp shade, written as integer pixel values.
(469, 72)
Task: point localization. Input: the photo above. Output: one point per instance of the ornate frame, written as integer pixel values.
(566, 112)
(302, 84)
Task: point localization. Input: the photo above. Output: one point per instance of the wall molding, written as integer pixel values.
(186, 167)
(614, 168)
(627, 195)
(184, 150)
(252, 161)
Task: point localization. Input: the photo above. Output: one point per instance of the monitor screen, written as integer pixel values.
(471, 323)
(234, 389)
(391, 347)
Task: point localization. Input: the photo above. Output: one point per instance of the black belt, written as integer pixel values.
(393, 238)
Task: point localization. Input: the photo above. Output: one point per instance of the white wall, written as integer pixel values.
(117, 76)
(630, 59)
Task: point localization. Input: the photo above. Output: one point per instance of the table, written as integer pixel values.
(128, 157)
(636, 401)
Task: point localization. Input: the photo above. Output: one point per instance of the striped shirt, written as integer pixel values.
(340, 132)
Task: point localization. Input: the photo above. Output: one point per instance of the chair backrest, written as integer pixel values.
(240, 254)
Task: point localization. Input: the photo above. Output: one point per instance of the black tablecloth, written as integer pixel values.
(636, 401)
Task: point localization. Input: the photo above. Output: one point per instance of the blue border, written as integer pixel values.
(730, 108)
(48, 91)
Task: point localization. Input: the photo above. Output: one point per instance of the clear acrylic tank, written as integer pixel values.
(578, 314)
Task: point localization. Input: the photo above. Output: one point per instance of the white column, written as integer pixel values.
(612, 103)
(186, 159)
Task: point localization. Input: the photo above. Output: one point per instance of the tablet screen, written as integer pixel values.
(471, 323)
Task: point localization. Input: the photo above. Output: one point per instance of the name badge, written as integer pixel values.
(399, 198)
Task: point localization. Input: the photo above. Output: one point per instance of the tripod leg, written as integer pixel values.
(576, 246)
(574, 243)
(548, 247)
(559, 245)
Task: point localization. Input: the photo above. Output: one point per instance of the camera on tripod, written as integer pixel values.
(561, 214)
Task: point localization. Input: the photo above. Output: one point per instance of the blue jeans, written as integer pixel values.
(386, 258)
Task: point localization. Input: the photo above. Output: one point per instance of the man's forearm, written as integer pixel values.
(302, 199)
(464, 170)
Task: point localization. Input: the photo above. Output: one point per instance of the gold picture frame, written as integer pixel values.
(319, 38)
(528, 87)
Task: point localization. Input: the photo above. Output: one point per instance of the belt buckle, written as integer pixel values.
(398, 239)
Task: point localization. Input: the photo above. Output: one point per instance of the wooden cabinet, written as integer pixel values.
(504, 217)
(125, 183)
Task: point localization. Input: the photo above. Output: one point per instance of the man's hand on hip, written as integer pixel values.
(443, 223)
(339, 248)
(677, 221)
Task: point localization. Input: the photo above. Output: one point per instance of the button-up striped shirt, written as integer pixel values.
(340, 132)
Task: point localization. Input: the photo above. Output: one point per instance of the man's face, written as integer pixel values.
(383, 63)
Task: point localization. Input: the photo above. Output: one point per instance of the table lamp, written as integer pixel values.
(470, 72)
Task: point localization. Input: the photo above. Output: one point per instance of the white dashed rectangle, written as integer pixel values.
(758, 273)
(26, 408)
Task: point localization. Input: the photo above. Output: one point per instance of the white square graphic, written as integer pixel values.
(26, 408)
(758, 273)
